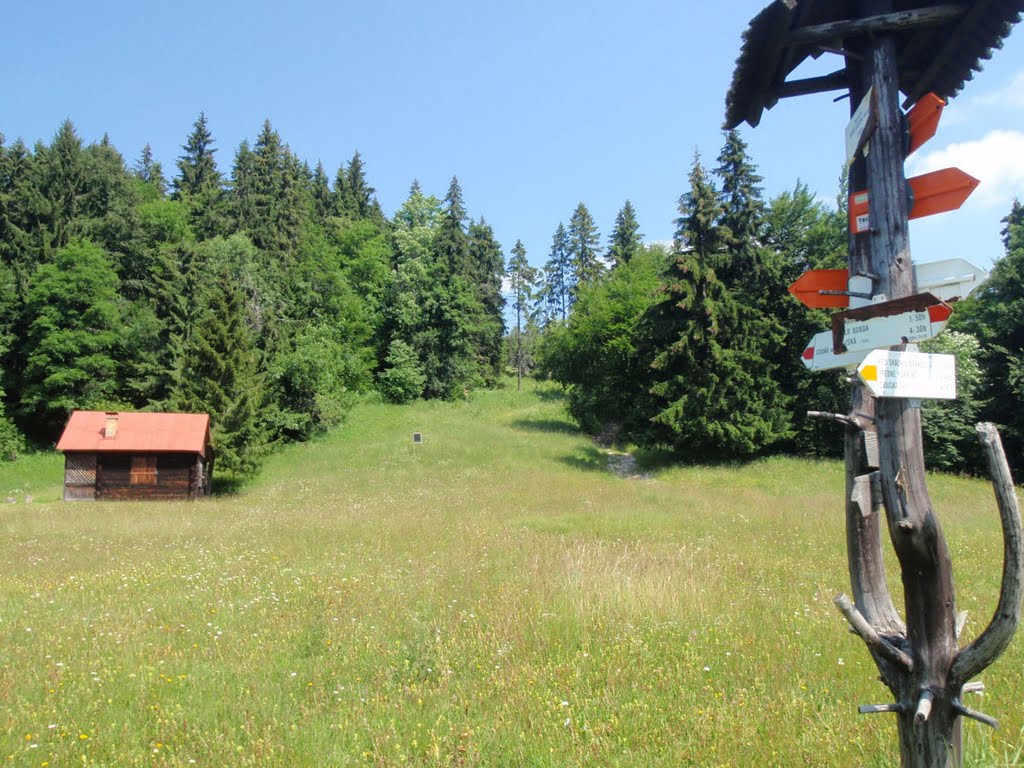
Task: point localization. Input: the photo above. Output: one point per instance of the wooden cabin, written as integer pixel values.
(137, 456)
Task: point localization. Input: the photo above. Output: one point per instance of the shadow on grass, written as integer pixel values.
(649, 461)
(654, 460)
(551, 426)
(226, 485)
(589, 459)
(549, 392)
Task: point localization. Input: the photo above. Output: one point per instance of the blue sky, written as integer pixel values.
(536, 105)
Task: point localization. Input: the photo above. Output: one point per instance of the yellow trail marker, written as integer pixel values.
(869, 373)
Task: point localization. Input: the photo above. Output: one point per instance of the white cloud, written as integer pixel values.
(996, 160)
(970, 106)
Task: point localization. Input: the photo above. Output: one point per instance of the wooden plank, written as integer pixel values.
(887, 22)
(834, 81)
(861, 494)
(870, 447)
(80, 469)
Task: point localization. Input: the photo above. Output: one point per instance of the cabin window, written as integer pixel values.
(143, 470)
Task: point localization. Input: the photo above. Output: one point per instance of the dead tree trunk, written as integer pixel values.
(920, 661)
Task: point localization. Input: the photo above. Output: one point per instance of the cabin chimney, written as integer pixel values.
(110, 429)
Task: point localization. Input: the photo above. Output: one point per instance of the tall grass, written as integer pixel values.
(494, 596)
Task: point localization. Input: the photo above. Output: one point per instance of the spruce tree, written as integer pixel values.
(322, 199)
(742, 202)
(713, 398)
(220, 376)
(61, 183)
(451, 244)
(151, 173)
(556, 294)
(197, 168)
(448, 332)
(584, 249)
(269, 196)
(486, 274)
(354, 197)
(25, 235)
(107, 213)
(626, 239)
(199, 184)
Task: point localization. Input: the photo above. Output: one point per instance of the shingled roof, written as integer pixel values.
(939, 47)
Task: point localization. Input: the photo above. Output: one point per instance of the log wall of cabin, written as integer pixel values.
(153, 477)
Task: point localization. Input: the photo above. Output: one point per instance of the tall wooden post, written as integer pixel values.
(922, 48)
(918, 661)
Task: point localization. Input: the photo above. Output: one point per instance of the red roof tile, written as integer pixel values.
(139, 432)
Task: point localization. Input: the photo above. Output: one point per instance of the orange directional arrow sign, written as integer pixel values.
(948, 280)
(935, 192)
(809, 286)
(924, 120)
(940, 191)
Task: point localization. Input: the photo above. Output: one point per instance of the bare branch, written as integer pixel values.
(874, 709)
(840, 418)
(871, 638)
(851, 421)
(924, 707)
(993, 641)
(974, 714)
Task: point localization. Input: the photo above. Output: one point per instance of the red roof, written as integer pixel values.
(138, 432)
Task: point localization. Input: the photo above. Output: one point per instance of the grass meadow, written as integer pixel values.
(494, 596)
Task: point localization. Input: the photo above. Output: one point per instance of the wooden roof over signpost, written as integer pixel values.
(940, 45)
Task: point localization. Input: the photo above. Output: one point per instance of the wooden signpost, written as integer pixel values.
(887, 48)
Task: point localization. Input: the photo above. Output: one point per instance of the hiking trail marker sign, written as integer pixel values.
(912, 375)
(820, 354)
(889, 323)
(861, 125)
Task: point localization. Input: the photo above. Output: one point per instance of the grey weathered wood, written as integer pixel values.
(868, 579)
(887, 22)
(928, 723)
(861, 495)
(870, 439)
(871, 638)
(822, 84)
(973, 714)
(874, 709)
(994, 639)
